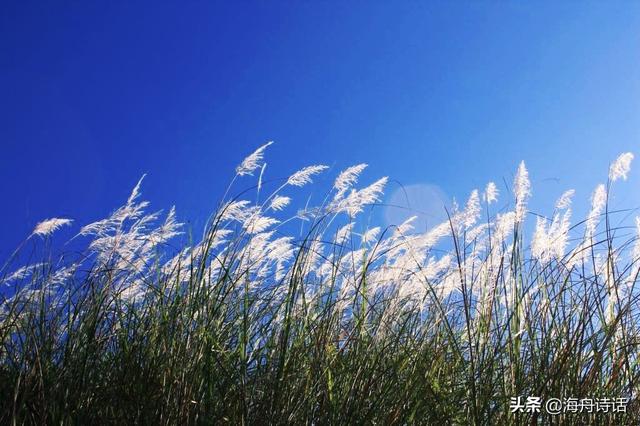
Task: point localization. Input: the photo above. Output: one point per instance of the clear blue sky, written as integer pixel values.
(441, 93)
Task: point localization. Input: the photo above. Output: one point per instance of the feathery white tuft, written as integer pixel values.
(370, 235)
(169, 229)
(560, 234)
(551, 243)
(598, 201)
(343, 234)
(235, 210)
(354, 203)
(522, 191)
(279, 202)
(472, 209)
(49, 226)
(505, 223)
(302, 177)
(404, 228)
(347, 178)
(252, 162)
(491, 193)
(256, 223)
(620, 167)
(264, 166)
(136, 191)
(565, 199)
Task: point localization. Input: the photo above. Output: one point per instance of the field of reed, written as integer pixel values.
(285, 313)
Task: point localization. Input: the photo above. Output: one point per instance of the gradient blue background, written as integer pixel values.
(451, 94)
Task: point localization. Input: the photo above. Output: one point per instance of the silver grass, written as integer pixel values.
(404, 228)
(135, 193)
(303, 177)
(491, 193)
(49, 226)
(264, 166)
(559, 233)
(522, 191)
(344, 233)
(347, 178)
(257, 223)
(252, 162)
(540, 242)
(22, 272)
(355, 202)
(472, 210)
(405, 265)
(279, 202)
(236, 211)
(565, 199)
(620, 168)
(505, 223)
(598, 202)
(370, 235)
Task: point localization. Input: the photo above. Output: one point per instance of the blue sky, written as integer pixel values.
(447, 95)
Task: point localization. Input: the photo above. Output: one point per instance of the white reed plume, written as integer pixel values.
(448, 284)
(540, 242)
(22, 273)
(177, 262)
(49, 226)
(434, 268)
(127, 240)
(315, 253)
(303, 177)
(279, 202)
(620, 167)
(133, 292)
(598, 202)
(280, 251)
(61, 275)
(136, 191)
(565, 199)
(236, 210)
(257, 223)
(472, 210)
(522, 191)
(370, 235)
(169, 229)
(505, 223)
(354, 203)
(559, 232)
(252, 162)
(343, 234)
(431, 237)
(347, 178)
(264, 166)
(253, 259)
(551, 243)
(491, 193)
(404, 228)
(132, 210)
(476, 234)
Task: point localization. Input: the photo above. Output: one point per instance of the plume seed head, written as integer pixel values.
(491, 193)
(620, 168)
(49, 226)
(252, 162)
(302, 177)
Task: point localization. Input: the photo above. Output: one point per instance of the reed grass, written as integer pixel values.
(341, 323)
